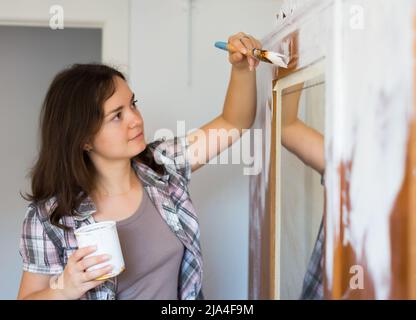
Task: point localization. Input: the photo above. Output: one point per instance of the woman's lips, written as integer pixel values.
(137, 137)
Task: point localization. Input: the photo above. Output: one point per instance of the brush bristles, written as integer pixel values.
(271, 57)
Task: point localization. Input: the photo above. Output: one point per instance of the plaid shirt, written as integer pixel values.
(312, 283)
(312, 288)
(45, 248)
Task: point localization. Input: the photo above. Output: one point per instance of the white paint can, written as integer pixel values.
(103, 235)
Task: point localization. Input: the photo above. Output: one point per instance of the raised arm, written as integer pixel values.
(303, 141)
(239, 109)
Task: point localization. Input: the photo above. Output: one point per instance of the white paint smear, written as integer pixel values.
(377, 102)
(369, 101)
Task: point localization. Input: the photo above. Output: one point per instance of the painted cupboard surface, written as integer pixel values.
(362, 100)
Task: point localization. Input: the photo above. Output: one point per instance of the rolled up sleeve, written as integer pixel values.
(173, 153)
(38, 252)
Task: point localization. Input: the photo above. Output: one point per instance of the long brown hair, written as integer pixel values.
(72, 113)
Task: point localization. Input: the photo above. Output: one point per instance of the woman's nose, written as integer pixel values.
(136, 121)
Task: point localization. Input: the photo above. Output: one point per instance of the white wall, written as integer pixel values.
(158, 73)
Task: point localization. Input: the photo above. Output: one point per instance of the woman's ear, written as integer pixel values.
(87, 147)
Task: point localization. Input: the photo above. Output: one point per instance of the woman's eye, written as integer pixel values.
(117, 116)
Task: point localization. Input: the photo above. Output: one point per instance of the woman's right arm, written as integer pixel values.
(35, 286)
(303, 141)
(71, 284)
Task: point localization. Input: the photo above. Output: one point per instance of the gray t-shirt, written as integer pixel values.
(152, 255)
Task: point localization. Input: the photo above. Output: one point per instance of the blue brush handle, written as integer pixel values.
(221, 45)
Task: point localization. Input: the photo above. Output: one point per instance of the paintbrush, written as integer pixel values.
(275, 58)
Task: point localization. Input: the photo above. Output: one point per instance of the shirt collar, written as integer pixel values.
(148, 177)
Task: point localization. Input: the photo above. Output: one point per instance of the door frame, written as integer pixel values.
(111, 16)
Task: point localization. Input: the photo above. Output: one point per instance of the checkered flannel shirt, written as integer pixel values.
(45, 248)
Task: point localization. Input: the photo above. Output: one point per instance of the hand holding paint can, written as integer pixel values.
(104, 236)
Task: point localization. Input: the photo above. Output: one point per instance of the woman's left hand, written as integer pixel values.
(244, 44)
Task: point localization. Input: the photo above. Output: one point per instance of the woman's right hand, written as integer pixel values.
(75, 280)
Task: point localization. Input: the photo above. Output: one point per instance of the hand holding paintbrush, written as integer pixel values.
(242, 44)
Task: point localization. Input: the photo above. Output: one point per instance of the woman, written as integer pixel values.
(95, 165)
